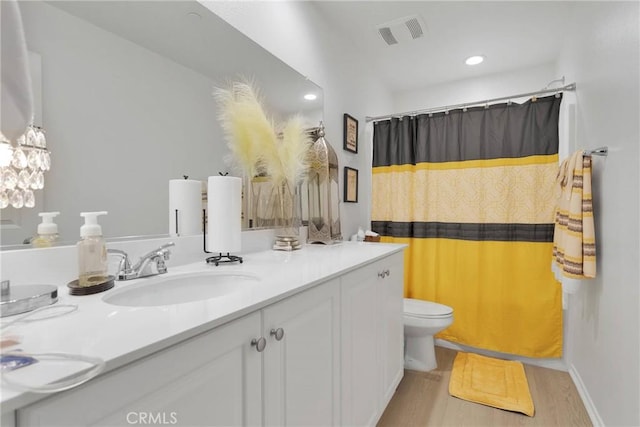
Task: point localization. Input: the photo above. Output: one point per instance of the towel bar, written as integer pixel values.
(602, 151)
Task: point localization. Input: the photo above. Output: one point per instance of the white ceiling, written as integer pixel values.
(511, 34)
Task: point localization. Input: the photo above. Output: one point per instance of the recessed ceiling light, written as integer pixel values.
(310, 96)
(474, 60)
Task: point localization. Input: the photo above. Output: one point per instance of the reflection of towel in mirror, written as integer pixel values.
(17, 100)
(574, 248)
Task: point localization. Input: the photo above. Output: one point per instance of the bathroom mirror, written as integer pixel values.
(126, 101)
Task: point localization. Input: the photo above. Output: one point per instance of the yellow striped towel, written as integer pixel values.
(574, 244)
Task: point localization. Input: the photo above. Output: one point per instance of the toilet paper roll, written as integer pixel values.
(185, 195)
(224, 210)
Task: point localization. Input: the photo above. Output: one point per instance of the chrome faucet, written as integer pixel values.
(124, 267)
(151, 264)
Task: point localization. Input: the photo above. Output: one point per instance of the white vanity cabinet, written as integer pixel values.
(218, 378)
(372, 339)
(302, 368)
(211, 379)
(328, 355)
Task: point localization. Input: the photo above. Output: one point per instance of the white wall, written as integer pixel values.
(161, 115)
(297, 33)
(601, 55)
(476, 89)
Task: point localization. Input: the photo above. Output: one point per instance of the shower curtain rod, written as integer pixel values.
(568, 87)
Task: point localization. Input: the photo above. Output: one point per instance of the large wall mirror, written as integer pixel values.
(126, 102)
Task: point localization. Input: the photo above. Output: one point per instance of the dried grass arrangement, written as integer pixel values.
(257, 144)
(262, 148)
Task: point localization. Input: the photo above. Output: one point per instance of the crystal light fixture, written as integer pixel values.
(22, 166)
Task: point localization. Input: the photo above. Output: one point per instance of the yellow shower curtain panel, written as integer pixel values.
(530, 326)
(472, 192)
(476, 276)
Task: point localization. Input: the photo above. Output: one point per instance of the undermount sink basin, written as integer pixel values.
(179, 289)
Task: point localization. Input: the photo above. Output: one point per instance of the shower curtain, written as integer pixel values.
(472, 194)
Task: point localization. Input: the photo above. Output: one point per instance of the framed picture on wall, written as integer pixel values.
(350, 185)
(350, 134)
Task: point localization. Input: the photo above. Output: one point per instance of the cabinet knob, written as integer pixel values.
(259, 344)
(386, 272)
(278, 333)
(381, 274)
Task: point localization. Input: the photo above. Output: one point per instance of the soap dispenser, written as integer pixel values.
(47, 231)
(92, 252)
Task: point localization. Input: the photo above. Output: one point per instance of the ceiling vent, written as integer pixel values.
(402, 29)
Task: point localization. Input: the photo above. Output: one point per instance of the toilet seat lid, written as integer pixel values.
(426, 309)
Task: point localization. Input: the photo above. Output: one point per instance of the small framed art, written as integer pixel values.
(350, 185)
(350, 134)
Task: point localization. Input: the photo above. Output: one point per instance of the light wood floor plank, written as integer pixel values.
(422, 399)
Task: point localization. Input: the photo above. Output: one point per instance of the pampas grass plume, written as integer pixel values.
(253, 140)
(293, 149)
(247, 129)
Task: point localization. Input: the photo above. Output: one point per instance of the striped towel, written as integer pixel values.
(574, 244)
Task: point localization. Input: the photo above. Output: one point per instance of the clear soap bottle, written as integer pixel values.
(92, 251)
(47, 231)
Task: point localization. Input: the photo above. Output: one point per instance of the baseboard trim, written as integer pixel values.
(557, 364)
(586, 398)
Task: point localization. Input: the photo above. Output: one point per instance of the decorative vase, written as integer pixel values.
(278, 206)
(260, 215)
(286, 207)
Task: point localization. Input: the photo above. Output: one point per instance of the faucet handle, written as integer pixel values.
(166, 245)
(164, 250)
(124, 266)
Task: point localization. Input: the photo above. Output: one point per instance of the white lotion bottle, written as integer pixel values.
(47, 231)
(92, 251)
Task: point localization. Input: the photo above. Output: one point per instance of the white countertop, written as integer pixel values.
(120, 335)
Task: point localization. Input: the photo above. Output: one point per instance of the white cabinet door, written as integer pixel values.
(302, 369)
(391, 289)
(372, 339)
(212, 379)
(8, 419)
(361, 358)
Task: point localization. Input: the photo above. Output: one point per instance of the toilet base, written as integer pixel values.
(420, 354)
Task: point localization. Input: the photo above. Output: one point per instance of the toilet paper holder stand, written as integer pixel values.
(216, 259)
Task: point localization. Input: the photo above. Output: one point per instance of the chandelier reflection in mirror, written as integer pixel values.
(22, 167)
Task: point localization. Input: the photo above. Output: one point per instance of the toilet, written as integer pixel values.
(422, 320)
